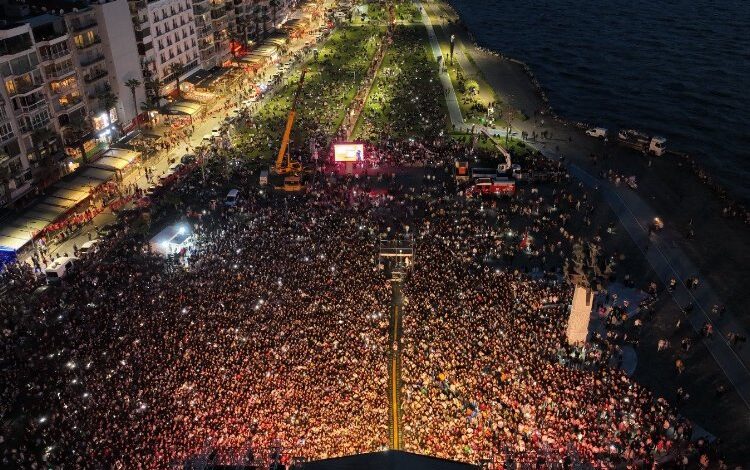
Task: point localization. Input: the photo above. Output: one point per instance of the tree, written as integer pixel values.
(258, 19)
(133, 84)
(177, 69)
(274, 10)
(76, 132)
(107, 99)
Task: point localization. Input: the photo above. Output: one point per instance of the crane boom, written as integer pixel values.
(281, 166)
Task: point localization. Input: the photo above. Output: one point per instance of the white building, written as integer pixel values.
(121, 55)
(165, 31)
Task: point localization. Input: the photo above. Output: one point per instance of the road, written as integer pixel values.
(158, 165)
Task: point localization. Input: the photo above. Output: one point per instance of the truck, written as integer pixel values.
(495, 186)
(638, 140)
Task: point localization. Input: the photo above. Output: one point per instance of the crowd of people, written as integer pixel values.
(275, 333)
(271, 335)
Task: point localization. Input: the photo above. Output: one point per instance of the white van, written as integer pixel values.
(59, 268)
(232, 197)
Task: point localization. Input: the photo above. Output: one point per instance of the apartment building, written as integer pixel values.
(29, 139)
(166, 36)
(64, 93)
(19, 67)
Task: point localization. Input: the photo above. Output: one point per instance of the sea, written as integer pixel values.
(675, 68)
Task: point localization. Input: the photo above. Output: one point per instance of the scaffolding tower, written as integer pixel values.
(396, 256)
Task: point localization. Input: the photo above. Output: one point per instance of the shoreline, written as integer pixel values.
(668, 186)
(740, 208)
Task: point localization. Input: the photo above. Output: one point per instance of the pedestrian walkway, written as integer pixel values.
(450, 94)
(668, 261)
(663, 254)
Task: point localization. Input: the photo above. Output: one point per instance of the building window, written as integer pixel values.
(10, 85)
(6, 131)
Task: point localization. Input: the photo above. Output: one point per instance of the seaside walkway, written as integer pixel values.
(450, 95)
(669, 261)
(661, 251)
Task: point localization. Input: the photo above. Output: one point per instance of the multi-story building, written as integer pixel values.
(167, 42)
(28, 137)
(64, 77)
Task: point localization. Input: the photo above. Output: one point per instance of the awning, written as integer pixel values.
(60, 202)
(42, 215)
(189, 108)
(123, 154)
(57, 210)
(14, 243)
(265, 51)
(98, 174)
(70, 194)
(254, 59)
(26, 223)
(80, 183)
(110, 163)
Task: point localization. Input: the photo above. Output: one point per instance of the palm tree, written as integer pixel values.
(133, 84)
(274, 10)
(257, 17)
(177, 69)
(75, 133)
(107, 99)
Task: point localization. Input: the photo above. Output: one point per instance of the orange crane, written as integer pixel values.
(284, 164)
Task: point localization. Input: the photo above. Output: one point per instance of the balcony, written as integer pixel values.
(94, 75)
(97, 40)
(203, 44)
(92, 60)
(141, 34)
(79, 26)
(71, 104)
(25, 87)
(31, 127)
(54, 55)
(58, 74)
(32, 107)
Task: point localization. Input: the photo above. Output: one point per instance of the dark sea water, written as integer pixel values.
(677, 68)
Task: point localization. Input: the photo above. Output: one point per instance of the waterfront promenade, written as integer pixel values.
(664, 255)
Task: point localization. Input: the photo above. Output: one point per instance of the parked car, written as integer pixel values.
(89, 247)
(598, 132)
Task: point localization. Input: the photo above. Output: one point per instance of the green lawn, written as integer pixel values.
(330, 84)
(407, 98)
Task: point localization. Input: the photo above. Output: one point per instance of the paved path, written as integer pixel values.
(450, 95)
(661, 251)
(669, 261)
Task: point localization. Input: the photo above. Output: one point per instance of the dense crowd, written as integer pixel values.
(273, 331)
(276, 333)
